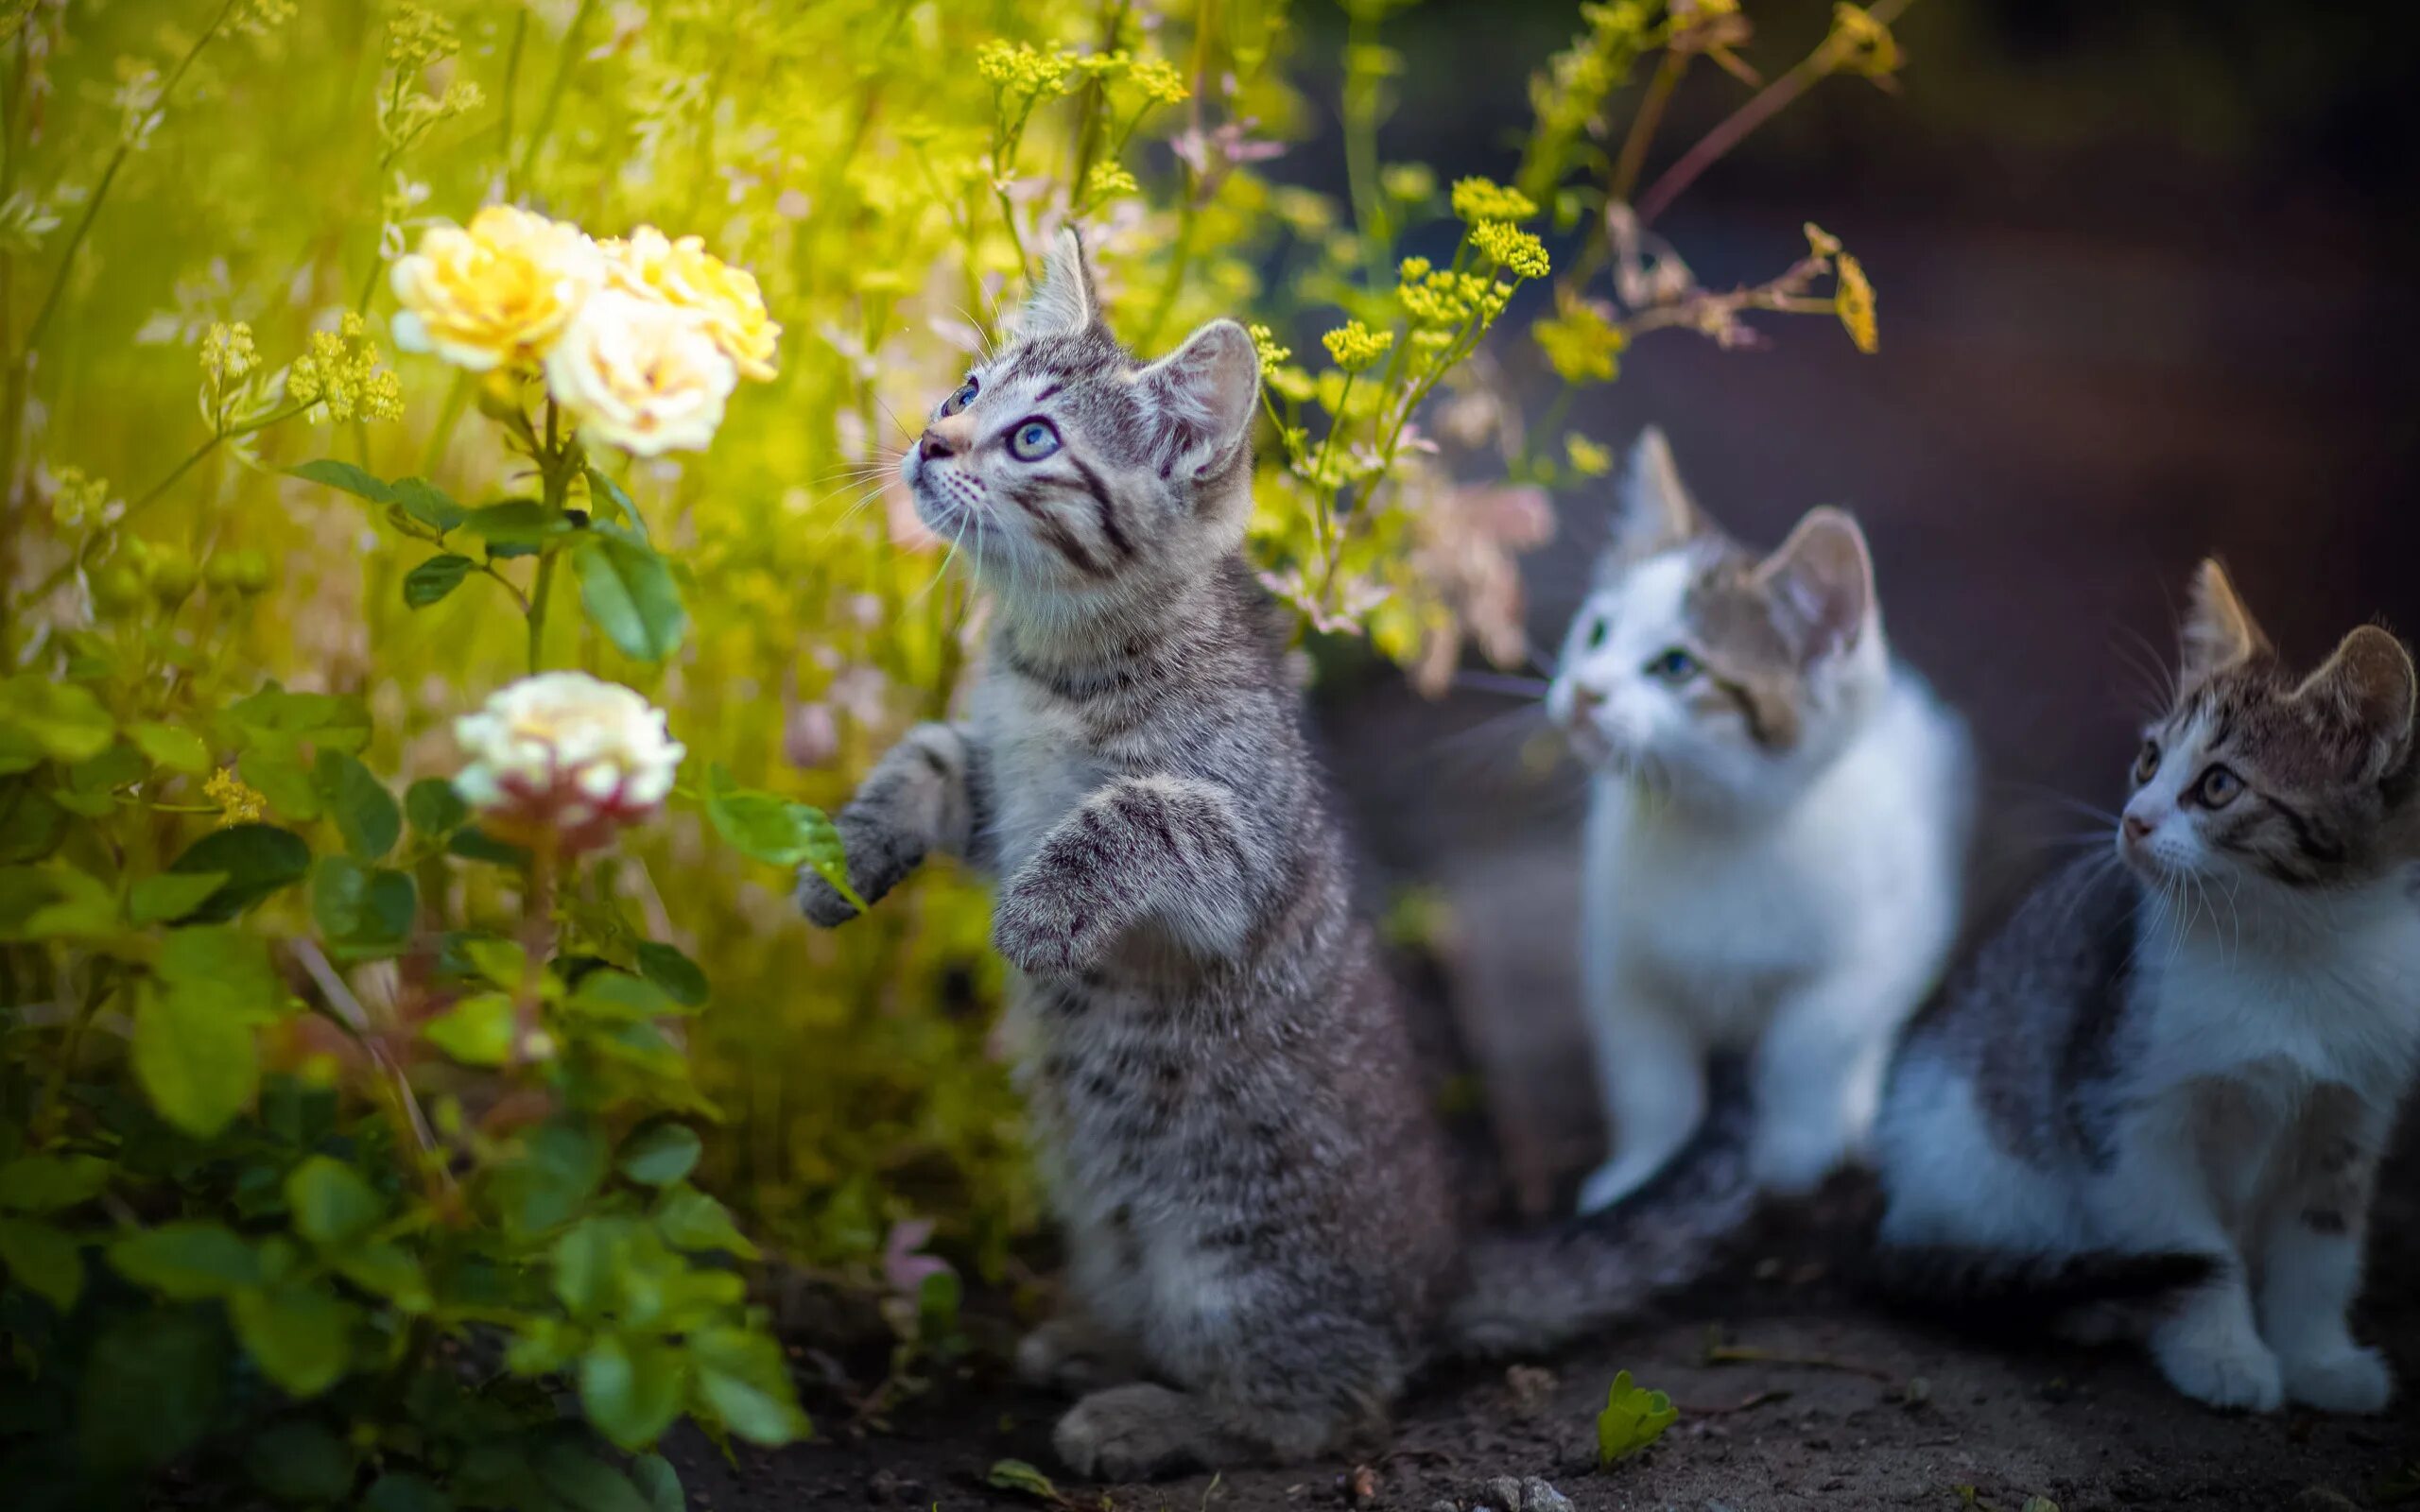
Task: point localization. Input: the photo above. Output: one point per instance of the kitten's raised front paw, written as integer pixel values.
(821, 902)
(2349, 1379)
(1040, 931)
(2223, 1366)
(1131, 1433)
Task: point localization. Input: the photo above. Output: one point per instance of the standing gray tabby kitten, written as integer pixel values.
(2170, 1079)
(1260, 1244)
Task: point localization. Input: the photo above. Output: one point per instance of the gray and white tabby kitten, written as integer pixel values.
(2185, 1060)
(1776, 837)
(1261, 1246)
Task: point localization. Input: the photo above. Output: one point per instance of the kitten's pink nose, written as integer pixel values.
(934, 445)
(2136, 830)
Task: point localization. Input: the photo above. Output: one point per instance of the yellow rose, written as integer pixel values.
(684, 274)
(498, 291)
(641, 374)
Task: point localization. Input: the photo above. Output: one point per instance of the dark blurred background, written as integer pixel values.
(2146, 293)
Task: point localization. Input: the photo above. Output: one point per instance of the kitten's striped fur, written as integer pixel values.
(1260, 1244)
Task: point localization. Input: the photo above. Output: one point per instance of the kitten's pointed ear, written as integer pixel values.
(1823, 578)
(2370, 684)
(1654, 512)
(2218, 631)
(1064, 302)
(1202, 395)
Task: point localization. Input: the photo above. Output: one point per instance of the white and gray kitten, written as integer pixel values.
(1777, 838)
(2156, 1101)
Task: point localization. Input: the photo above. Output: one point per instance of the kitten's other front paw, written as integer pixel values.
(821, 902)
(1042, 932)
(1130, 1434)
(2226, 1368)
(2349, 1379)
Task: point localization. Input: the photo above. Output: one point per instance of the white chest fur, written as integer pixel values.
(1041, 764)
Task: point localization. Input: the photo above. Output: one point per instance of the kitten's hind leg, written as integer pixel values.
(2310, 1259)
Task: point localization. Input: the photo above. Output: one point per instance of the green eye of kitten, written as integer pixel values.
(1033, 441)
(2147, 764)
(965, 396)
(2218, 788)
(1674, 665)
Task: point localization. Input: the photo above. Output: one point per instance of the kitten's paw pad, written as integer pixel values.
(2350, 1379)
(1042, 933)
(1065, 1355)
(821, 902)
(2234, 1373)
(1614, 1180)
(1130, 1434)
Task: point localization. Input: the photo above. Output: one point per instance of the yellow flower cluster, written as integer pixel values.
(1159, 82)
(1355, 347)
(76, 499)
(227, 354)
(1021, 74)
(1853, 300)
(1483, 199)
(238, 801)
(1410, 182)
(1588, 458)
(1445, 298)
(418, 37)
(1861, 43)
(339, 376)
(1109, 181)
(643, 340)
(1264, 341)
(1580, 344)
(1511, 247)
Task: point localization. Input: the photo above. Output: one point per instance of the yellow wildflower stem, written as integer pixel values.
(1643, 126)
(1766, 104)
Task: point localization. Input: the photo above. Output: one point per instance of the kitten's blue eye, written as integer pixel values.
(1033, 441)
(1675, 666)
(965, 396)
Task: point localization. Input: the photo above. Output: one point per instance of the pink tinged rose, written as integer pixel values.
(565, 758)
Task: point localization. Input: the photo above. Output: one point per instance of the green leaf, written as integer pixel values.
(173, 746)
(434, 578)
(47, 1183)
(170, 895)
(31, 826)
(195, 1059)
(366, 910)
(346, 476)
(428, 504)
(433, 807)
(400, 1491)
(609, 994)
(633, 1388)
(740, 1379)
(515, 522)
(778, 832)
(365, 812)
(151, 1387)
(688, 1219)
(501, 962)
(187, 1261)
(475, 844)
(1632, 1420)
(330, 1201)
(45, 1260)
(559, 1165)
(256, 860)
(604, 495)
(658, 1481)
(477, 1031)
(582, 1481)
(661, 1154)
(628, 593)
(664, 966)
(276, 773)
(386, 1270)
(60, 719)
(274, 720)
(224, 968)
(300, 1462)
(339, 892)
(1016, 1475)
(300, 1336)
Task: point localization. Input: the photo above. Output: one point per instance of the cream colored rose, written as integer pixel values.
(566, 756)
(641, 376)
(495, 292)
(684, 273)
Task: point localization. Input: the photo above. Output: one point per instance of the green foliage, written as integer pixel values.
(321, 1077)
(1632, 1420)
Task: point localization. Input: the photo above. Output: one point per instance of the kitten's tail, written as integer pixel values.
(2001, 1291)
(1535, 1291)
